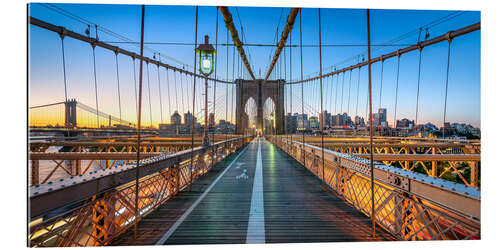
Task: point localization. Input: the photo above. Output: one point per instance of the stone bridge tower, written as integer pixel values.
(260, 91)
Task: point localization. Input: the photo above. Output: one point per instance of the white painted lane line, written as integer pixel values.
(172, 229)
(256, 232)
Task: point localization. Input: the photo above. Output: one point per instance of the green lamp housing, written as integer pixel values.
(206, 52)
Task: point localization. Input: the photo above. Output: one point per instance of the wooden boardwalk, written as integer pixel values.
(254, 197)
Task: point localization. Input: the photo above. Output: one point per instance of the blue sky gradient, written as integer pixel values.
(339, 27)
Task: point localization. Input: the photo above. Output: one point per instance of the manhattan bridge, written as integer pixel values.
(232, 154)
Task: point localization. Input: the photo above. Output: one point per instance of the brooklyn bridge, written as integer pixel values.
(221, 151)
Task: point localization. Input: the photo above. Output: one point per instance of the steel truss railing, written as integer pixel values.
(409, 205)
(436, 159)
(101, 154)
(97, 216)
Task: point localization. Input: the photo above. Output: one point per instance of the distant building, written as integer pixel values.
(211, 119)
(302, 121)
(359, 121)
(291, 123)
(176, 118)
(380, 118)
(313, 122)
(325, 117)
(405, 123)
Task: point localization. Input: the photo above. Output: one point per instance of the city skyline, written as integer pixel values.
(463, 96)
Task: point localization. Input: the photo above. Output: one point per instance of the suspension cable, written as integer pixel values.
(168, 96)
(159, 88)
(216, 62)
(397, 86)
(227, 77)
(118, 83)
(371, 124)
(381, 82)
(139, 127)
(175, 94)
(336, 93)
(321, 93)
(357, 91)
(194, 102)
(232, 89)
(284, 93)
(446, 90)
(64, 67)
(418, 85)
(149, 96)
(302, 91)
(291, 109)
(95, 87)
(135, 86)
(342, 96)
(349, 92)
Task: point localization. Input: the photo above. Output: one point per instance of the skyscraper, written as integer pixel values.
(176, 118)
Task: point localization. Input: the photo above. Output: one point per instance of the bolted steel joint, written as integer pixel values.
(63, 32)
(448, 36)
(419, 46)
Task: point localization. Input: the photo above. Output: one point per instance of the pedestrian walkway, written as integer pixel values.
(258, 195)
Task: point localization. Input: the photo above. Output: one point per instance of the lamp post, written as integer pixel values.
(206, 58)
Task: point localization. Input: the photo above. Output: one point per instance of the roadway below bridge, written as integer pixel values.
(260, 195)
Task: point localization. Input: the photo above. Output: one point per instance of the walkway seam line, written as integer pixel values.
(172, 229)
(256, 232)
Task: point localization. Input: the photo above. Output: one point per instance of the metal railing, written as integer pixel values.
(93, 209)
(409, 205)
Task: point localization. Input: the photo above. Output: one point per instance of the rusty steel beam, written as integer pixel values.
(445, 37)
(228, 19)
(422, 157)
(284, 36)
(65, 32)
(90, 155)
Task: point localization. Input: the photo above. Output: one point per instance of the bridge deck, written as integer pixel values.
(254, 197)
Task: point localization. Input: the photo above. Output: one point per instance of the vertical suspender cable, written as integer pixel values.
(397, 86)
(321, 93)
(118, 83)
(175, 94)
(149, 97)
(194, 101)
(227, 79)
(290, 86)
(336, 91)
(418, 84)
(135, 85)
(95, 87)
(349, 92)
(168, 94)
(139, 129)
(446, 90)
(342, 96)
(64, 68)
(381, 82)
(357, 91)
(284, 94)
(366, 108)
(232, 88)
(159, 88)
(216, 62)
(371, 122)
(302, 90)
